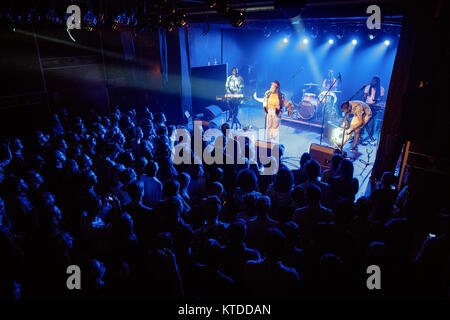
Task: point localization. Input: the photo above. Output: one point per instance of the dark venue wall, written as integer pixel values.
(47, 71)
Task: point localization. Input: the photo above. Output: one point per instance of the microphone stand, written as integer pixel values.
(345, 128)
(323, 111)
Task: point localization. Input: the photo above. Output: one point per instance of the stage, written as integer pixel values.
(298, 138)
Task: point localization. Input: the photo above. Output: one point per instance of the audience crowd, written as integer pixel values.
(103, 193)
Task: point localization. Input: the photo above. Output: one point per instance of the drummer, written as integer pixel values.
(329, 82)
(329, 85)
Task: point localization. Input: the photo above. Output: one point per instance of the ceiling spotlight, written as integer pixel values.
(305, 40)
(285, 40)
(340, 33)
(387, 42)
(314, 32)
(372, 34)
(330, 41)
(180, 19)
(236, 18)
(354, 41)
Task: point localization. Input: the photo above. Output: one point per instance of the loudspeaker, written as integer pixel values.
(322, 155)
(211, 112)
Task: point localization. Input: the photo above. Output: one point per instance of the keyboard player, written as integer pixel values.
(234, 86)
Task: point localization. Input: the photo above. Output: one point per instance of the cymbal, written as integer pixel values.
(311, 84)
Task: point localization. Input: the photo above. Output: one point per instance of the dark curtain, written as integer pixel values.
(420, 57)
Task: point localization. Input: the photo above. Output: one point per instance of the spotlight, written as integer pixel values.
(330, 41)
(340, 33)
(387, 42)
(314, 32)
(372, 34)
(285, 40)
(305, 40)
(354, 41)
(236, 18)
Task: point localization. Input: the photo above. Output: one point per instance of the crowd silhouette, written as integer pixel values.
(102, 192)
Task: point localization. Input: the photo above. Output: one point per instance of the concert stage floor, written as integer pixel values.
(297, 140)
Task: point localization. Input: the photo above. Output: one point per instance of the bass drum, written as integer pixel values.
(306, 110)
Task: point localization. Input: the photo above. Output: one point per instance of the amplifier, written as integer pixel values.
(321, 154)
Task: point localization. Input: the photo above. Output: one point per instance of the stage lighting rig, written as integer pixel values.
(236, 18)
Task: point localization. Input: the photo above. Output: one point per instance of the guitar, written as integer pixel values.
(290, 105)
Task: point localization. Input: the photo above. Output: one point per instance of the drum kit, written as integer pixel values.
(314, 101)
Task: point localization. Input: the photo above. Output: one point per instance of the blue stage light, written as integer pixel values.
(354, 41)
(305, 40)
(330, 41)
(285, 40)
(387, 42)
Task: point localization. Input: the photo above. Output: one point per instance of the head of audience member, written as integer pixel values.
(304, 159)
(127, 177)
(263, 206)
(298, 196)
(274, 243)
(123, 228)
(237, 232)
(346, 170)
(139, 165)
(313, 170)
(159, 118)
(212, 207)
(216, 189)
(363, 208)
(34, 180)
(184, 179)
(284, 180)
(313, 195)
(335, 161)
(151, 169)
(292, 232)
(136, 191)
(171, 188)
(247, 180)
(343, 211)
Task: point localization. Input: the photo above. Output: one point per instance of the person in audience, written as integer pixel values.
(313, 171)
(269, 278)
(152, 186)
(101, 191)
(257, 227)
(313, 212)
(343, 185)
(336, 159)
(300, 174)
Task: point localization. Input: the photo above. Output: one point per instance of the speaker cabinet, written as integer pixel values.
(321, 154)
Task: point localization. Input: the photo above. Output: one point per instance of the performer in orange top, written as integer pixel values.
(273, 104)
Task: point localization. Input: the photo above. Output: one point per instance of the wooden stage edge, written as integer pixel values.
(286, 121)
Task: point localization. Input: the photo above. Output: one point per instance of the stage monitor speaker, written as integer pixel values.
(321, 154)
(211, 112)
